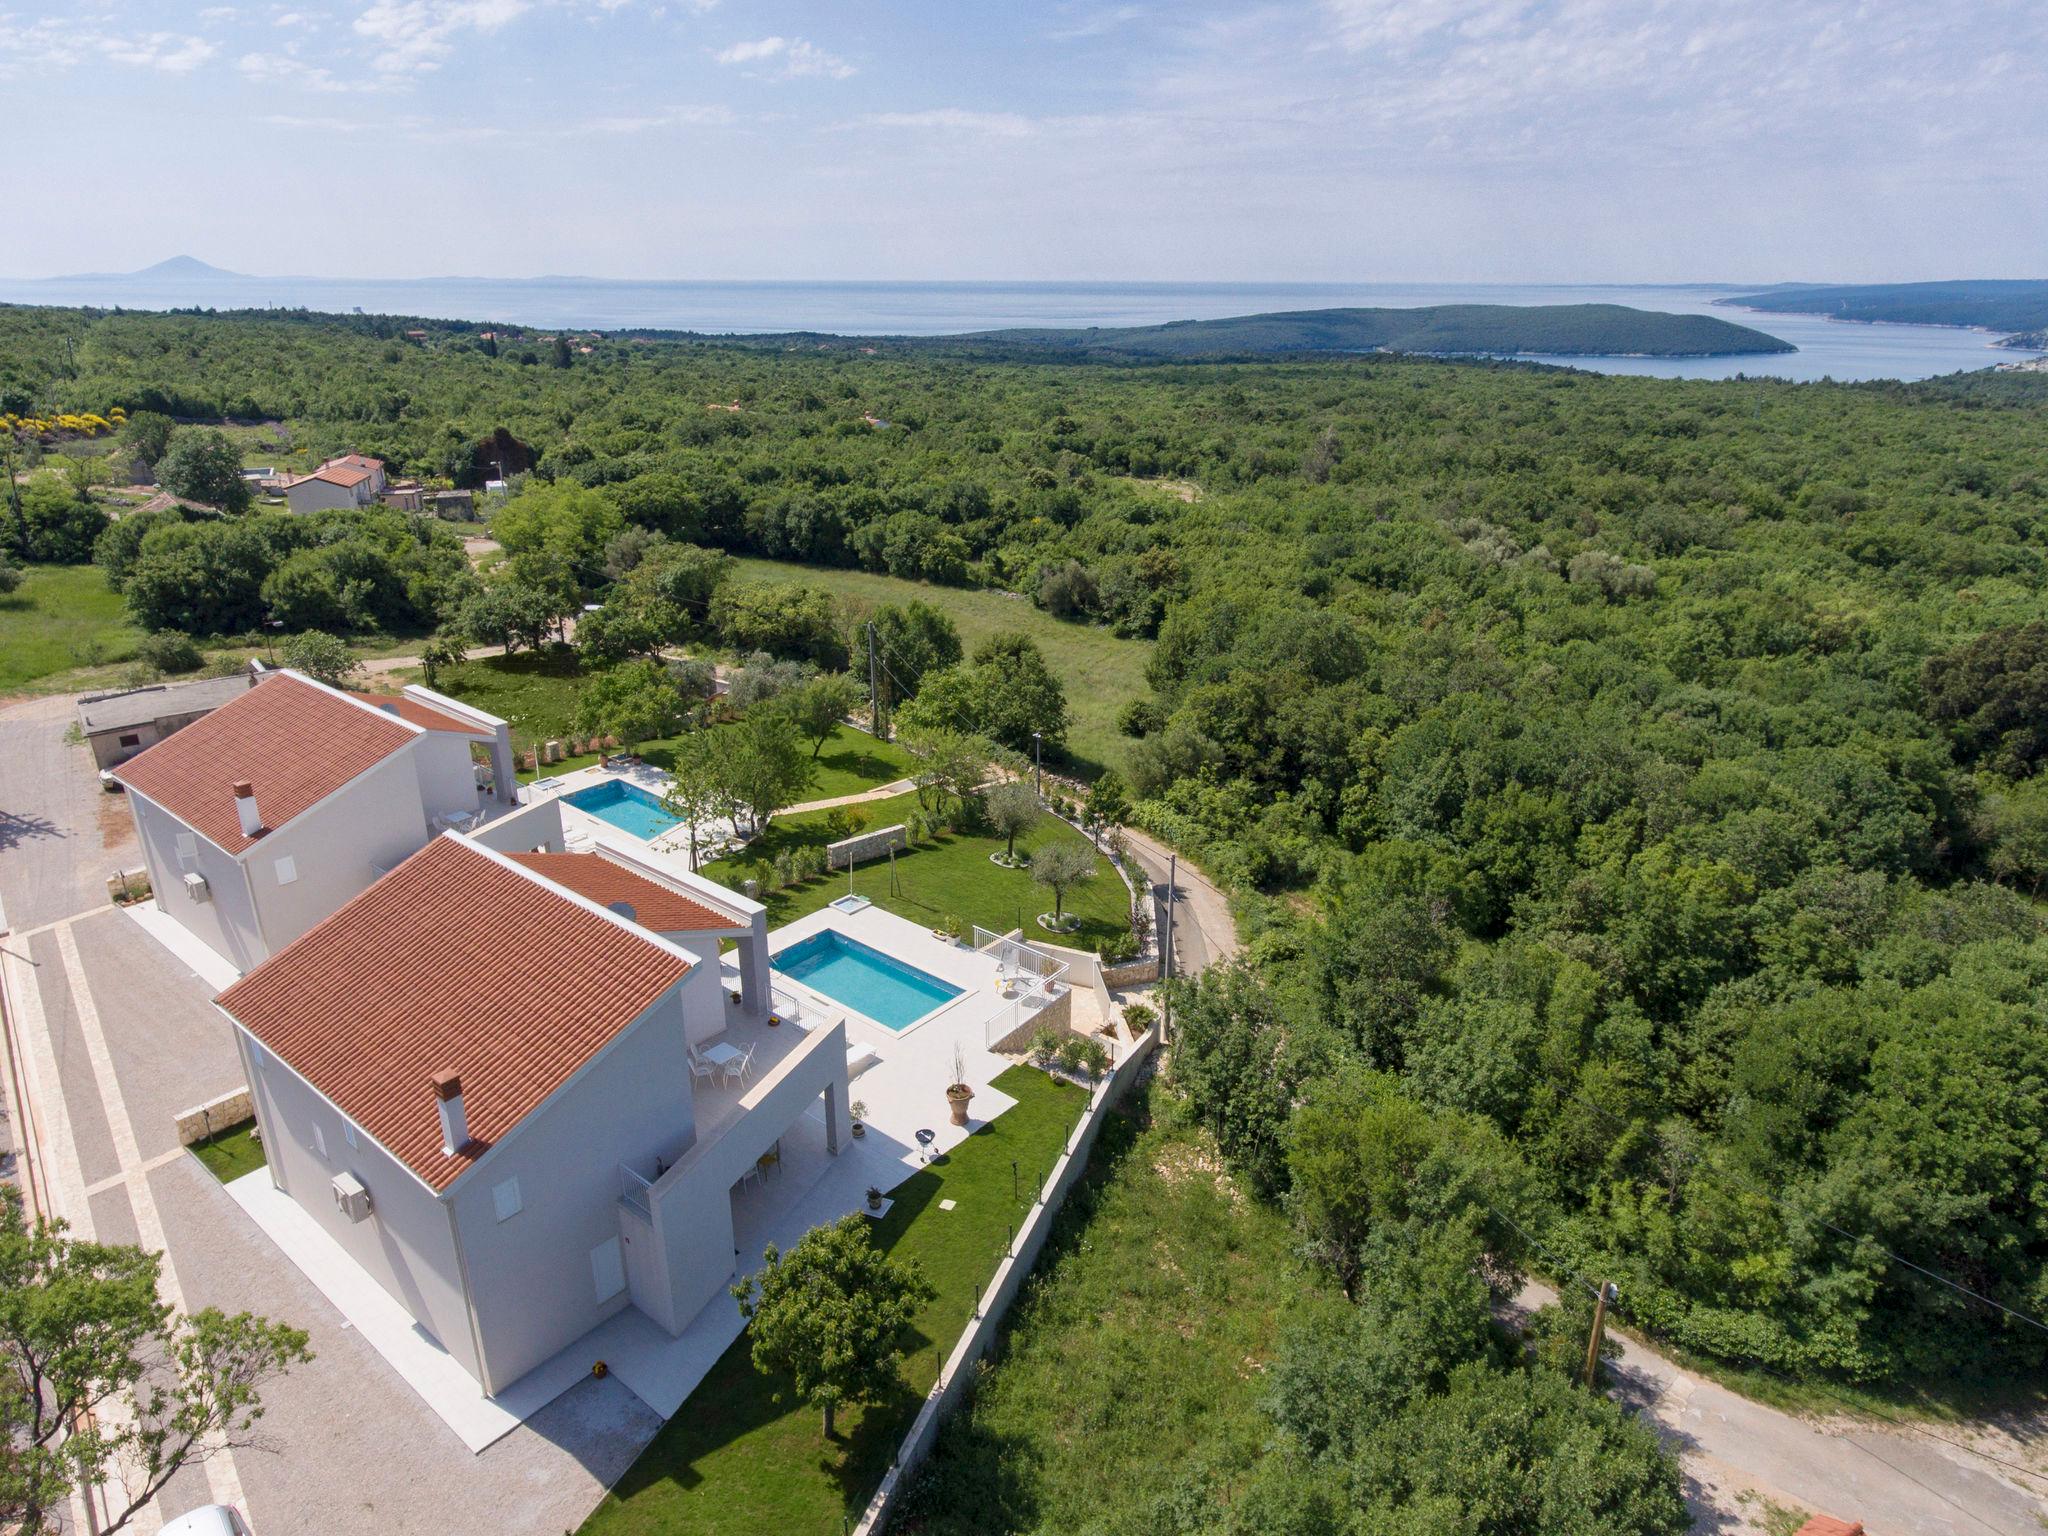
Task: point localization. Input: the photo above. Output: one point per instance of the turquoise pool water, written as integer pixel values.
(891, 993)
(627, 807)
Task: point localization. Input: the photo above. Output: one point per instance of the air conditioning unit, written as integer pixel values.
(350, 1198)
(197, 888)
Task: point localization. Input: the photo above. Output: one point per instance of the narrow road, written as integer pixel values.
(1203, 932)
(1735, 1453)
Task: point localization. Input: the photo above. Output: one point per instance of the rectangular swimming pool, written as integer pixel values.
(893, 994)
(627, 807)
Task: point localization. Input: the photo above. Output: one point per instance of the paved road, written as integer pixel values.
(115, 1036)
(1897, 1482)
(1203, 931)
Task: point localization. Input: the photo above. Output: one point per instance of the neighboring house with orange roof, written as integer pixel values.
(475, 1079)
(349, 481)
(262, 817)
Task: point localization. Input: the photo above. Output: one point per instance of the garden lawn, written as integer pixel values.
(948, 877)
(737, 1459)
(231, 1153)
(61, 617)
(1134, 1362)
(534, 692)
(1100, 671)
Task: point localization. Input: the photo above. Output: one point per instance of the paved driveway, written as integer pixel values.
(115, 1036)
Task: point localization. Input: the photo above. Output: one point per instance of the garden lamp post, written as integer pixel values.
(1037, 766)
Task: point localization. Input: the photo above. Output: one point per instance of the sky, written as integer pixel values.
(1327, 140)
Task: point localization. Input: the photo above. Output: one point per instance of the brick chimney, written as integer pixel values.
(454, 1122)
(245, 807)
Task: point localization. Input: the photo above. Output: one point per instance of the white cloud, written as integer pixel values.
(174, 53)
(789, 58)
(304, 77)
(1001, 125)
(293, 19)
(420, 34)
(219, 13)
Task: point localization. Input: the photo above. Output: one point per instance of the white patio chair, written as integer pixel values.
(700, 1070)
(739, 1069)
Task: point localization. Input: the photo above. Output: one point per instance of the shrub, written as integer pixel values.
(1139, 1017)
(1045, 1047)
(785, 869)
(1094, 1056)
(168, 651)
(1072, 1054)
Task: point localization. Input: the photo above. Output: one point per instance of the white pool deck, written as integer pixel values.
(579, 825)
(902, 1091)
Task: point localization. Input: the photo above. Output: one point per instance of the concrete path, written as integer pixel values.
(1736, 1454)
(880, 792)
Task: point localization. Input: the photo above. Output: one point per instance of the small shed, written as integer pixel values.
(118, 725)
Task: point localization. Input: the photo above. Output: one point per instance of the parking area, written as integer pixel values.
(113, 1036)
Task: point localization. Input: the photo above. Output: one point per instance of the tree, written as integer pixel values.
(625, 628)
(1010, 808)
(912, 640)
(200, 464)
(169, 652)
(818, 705)
(950, 765)
(1992, 693)
(700, 787)
(765, 763)
(1061, 865)
(783, 618)
(56, 524)
(147, 434)
(10, 575)
(634, 703)
(1108, 801)
(320, 656)
(441, 650)
(509, 613)
(828, 1315)
(1007, 693)
(82, 1331)
(555, 537)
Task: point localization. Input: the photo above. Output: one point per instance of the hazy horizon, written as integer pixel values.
(1321, 141)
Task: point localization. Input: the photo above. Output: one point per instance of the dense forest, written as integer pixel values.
(1642, 773)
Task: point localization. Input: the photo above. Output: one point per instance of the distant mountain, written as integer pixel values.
(181, 269)
(2003, 304)
(1557, 330)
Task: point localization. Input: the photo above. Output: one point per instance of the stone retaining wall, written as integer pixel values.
(1056, 1015)
(866, 845)
(202, 1120)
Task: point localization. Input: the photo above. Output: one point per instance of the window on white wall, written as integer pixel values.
(348, 1134)
(505, 1199)
(319, 1141)
(188, 850)
(287, 871)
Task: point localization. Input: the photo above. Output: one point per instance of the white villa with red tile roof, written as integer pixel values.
(349, 481)
(263, 817)
(477, 1079)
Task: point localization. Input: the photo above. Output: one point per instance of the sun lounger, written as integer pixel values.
(859, 1058)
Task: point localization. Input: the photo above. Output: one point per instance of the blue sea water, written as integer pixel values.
(627, 807)
(1827, 348)
(893, 994)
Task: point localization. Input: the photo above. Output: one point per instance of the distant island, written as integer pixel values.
(2016, 305)
(1443, 330)
(1555, 330)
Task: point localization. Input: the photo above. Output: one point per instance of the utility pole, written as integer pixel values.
(1606, 1293)
(874, 693)
(1166, 953)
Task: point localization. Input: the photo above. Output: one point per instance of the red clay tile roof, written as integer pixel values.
(426, 715)
(336, 474)
(654, 905)
(452, 962)
(294, 741)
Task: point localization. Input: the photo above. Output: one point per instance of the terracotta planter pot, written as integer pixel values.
(957, 1099)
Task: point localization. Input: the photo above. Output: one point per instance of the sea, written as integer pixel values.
(1827, 349)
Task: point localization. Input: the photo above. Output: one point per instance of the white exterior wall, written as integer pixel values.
(447, 779)
(319, 495)
(226, 921)
(406, 1244)
(338, 848)
(703, 990)
(692, 1203)
(530, 829)
(530, 1276)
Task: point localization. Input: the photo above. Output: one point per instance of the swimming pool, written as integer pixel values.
(891, 993)
(627, 807)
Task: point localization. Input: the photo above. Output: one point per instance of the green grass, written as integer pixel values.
(534, 692)
(231, 1153)
(59, 618)
(1100, 671)
(1137, 1352)
(741, 1457)
(950, 876)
